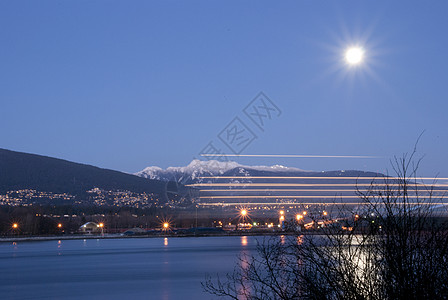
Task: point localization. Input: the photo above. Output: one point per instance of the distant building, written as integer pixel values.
(90, 227)
(229, 227)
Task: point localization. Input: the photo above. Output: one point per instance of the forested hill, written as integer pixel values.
(29, 171)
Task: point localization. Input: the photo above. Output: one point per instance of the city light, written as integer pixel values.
(166, 225)
(299, 217)
(304, 213)
(282, 212)
(325, 213)
(15, 226)
(59, 225)
(243, 215)
(101, 225)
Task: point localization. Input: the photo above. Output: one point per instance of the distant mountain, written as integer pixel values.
(230, 182)
(29, 171)
(197, 169)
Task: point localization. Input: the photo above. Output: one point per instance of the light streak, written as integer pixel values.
(302, 190)
(292, 156)
(305, 184)
(299, 197)
(312, 203)
(320, 177)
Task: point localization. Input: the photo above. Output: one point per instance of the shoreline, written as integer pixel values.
(119, 236)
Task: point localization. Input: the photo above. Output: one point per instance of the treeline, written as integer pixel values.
(67, 219)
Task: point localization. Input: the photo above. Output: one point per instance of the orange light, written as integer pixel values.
(244, 212)
(356, 216)
(59, 225)
(101, 225)
(282, 212)
(304, 213)
(325, 213)
(282, 218)
(15, 225)
(299, 217)
(166, 225)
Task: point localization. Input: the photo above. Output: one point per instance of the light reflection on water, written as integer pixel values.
(59, 247)
(144, 268)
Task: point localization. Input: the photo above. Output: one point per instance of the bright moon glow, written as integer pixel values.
(354, 56)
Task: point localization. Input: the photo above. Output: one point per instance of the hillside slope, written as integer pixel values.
(29, 171)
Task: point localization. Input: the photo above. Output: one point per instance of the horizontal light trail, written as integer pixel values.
(318, 177)
(302, 190)
(309, 203)
(281, 190)
(289, 156)
(303, 184)
(297, 197)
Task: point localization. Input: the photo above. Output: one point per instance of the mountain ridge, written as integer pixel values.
(198, 171)
(19, 170)
(208, 167)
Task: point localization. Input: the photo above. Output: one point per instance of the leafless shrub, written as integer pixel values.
(397, 249)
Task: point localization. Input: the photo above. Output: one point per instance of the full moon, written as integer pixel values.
(354, 56)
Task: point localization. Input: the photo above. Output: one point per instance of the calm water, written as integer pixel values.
(147, 268)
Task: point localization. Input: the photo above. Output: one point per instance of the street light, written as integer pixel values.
(15, 226)
(299, 217)
(101, 225)
(59, 225)
(244, 212)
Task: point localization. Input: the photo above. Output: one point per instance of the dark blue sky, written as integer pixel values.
(127, 84)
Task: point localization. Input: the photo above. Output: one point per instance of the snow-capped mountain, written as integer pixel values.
(200, 168)
(210, 181)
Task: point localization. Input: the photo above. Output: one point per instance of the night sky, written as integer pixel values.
(129, 84)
